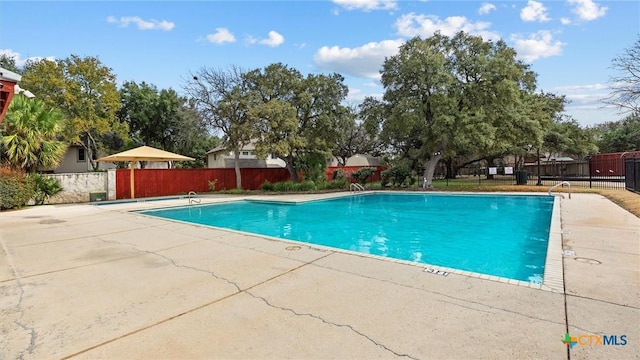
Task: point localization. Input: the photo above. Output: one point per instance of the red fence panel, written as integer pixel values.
(611, 164)
(164, 182)
(253, 179)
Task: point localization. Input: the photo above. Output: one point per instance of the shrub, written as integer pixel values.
(399, 175)
(306, 186)
(338, 174)
(289, 186)
(331, 185)
(234, 191)
(16, 188)
(212, 185)
(45, 187)
(284, 186)
(312, 165)
(267, 186)
(361, 175)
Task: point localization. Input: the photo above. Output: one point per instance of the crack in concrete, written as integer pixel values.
(603, 301)
(18, 306)
(247, 292)
(491, 307)
(331, 323)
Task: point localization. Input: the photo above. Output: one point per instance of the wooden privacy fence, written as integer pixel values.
(163, 182)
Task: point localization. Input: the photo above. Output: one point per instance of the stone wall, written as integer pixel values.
(76, 187)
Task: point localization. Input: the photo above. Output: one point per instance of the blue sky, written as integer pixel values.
(570, 44)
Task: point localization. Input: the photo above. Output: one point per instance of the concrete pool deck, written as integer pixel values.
(90, 282)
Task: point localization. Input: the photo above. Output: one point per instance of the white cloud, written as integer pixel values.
(569, 88)
(364, 61)
(587, 10)
(274, 39)
(591, 101)
(19, 60)
(356, 95)
(367, 5)
(565, 21)
(142, 24)
(221, 36)
(486, 8)
(536, 46)
(250, 40)
(534, 11)
(412, 24)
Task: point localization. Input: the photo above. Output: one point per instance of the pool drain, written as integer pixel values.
(588, 261)
(293, 248)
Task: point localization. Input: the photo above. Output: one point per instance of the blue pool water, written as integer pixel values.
(499, 235)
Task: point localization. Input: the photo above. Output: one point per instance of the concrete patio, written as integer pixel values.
(92, 282)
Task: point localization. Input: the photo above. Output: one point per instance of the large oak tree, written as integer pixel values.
(295, 117)
(443, 94)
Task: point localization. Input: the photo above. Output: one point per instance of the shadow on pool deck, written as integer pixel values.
(96, 282)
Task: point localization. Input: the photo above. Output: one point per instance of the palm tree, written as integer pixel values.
(29, 135)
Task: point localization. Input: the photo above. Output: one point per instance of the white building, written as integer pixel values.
(222, 157)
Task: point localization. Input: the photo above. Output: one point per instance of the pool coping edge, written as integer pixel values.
(553, 279)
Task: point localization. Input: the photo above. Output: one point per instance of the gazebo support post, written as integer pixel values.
(131, 181)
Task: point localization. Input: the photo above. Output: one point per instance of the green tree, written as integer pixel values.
(565, 136)
(295, 116)
(29, 135)
(444, 94)
(9, 63)
(165, 120)
(222, 98)
(354, 137)
(139, 108)
(623, 135)
(192, 138)
(85, 91)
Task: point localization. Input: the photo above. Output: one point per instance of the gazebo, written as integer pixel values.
(143, 153)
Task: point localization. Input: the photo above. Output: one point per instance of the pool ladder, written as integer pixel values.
(562, 183)
(193, 198)
(356, 187)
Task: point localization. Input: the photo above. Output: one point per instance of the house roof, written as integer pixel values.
(559, 158)
(7, 75)
(223, 148)
(363, 160)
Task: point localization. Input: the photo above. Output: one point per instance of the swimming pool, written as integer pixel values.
(500, 235)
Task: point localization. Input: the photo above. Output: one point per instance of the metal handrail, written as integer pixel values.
(560, 184)
(193, 200)
(356, 187)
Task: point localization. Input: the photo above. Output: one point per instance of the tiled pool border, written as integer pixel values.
(553, 278)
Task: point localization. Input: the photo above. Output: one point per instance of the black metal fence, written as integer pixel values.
(592, 172)
(632, 174)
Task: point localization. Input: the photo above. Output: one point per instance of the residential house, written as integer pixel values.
(362, 160)
(222, 157)
(76, 160)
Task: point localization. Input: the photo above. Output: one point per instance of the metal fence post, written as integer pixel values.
(590, 174)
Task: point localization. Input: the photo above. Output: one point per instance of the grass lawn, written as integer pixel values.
(624, 198)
